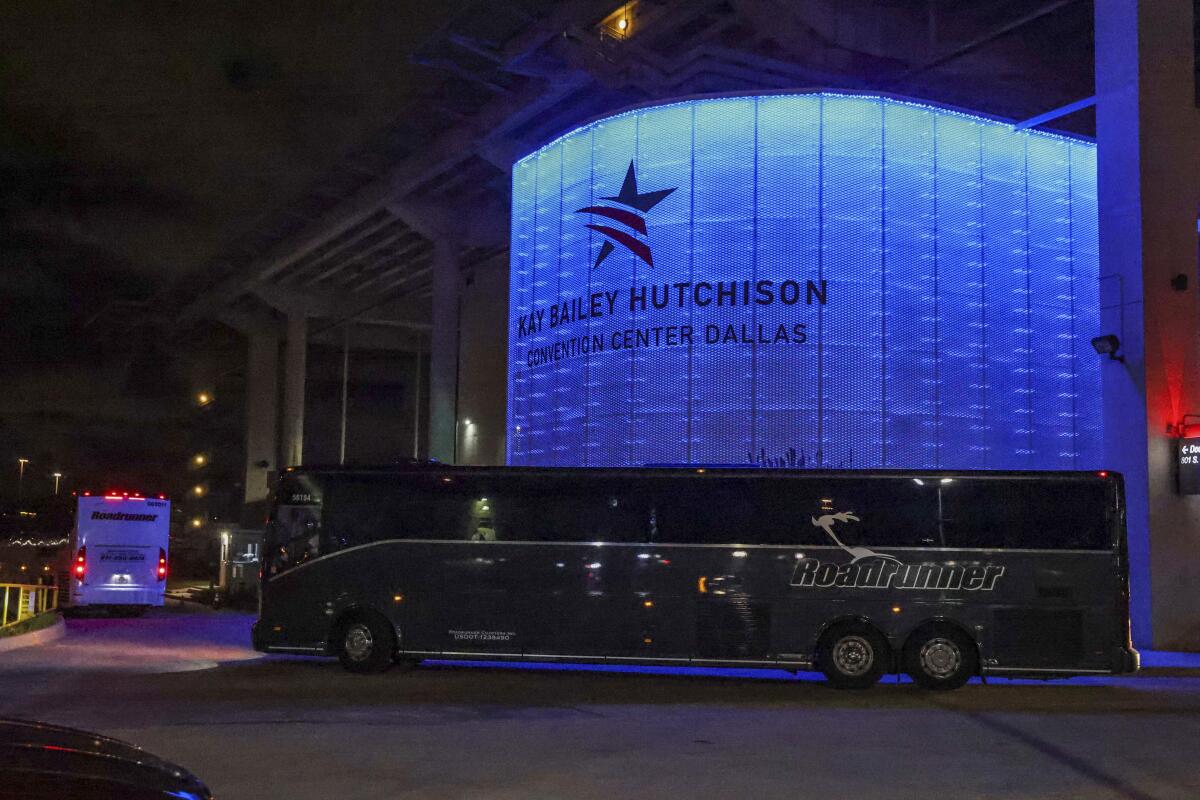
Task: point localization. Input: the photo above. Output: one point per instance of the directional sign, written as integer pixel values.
(1188, 461)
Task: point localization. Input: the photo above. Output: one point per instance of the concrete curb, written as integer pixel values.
(46, 635)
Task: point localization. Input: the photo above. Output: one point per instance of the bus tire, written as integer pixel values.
(940, 656)
(365, 643)
(853, 655)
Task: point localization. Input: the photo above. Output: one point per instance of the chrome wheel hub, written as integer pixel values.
(853, 655)
(358, 642)
(940, 657)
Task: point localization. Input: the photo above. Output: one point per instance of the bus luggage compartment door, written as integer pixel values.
(466, 599)
(730, 623)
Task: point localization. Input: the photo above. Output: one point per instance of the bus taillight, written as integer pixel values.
(80, 569)
(162, 564)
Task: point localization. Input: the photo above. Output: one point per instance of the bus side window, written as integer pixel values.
(888, 512)
(706, 511)
(360, 512)
(496, 514)
(1024, 514)
(981, 514)
(484, 509)
(784, 511)
(598, 515)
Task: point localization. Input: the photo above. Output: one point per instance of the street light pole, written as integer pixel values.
(21, 462)
(57, 478)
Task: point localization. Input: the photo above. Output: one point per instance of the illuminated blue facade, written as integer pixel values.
(816, 280)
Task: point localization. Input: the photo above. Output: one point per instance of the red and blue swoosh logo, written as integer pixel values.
(629, 209)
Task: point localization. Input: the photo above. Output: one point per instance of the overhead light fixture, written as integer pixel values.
(619, 22)
(1110, 346)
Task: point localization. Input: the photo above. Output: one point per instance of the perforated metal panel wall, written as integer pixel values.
(833, 281)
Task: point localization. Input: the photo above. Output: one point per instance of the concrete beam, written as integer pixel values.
(339, 252)
(291, 301)
(341, 219)
(389, 246)
(249, 323)
(452, 148)
(371, 336)
(483, 225)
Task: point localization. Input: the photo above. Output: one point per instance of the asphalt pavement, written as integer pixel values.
(185, 684)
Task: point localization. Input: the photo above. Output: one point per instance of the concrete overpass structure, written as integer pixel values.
(403, 249)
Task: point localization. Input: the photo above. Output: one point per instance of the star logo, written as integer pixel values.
(635, 205)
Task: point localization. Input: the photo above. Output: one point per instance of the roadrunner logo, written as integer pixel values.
(883, 571)
(634, 206)
(825, 523)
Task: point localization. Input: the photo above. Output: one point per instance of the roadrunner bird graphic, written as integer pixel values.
(825, 523)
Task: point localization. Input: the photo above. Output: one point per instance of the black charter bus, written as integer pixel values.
(942, 575)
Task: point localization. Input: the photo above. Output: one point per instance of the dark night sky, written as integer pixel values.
(137, 140)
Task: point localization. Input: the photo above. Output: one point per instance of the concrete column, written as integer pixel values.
(1148, 132)
(483, 361)
(418, 393)
(443, 352)
(262, 411)
(295, 366)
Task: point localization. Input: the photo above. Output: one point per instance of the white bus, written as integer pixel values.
(119, 552)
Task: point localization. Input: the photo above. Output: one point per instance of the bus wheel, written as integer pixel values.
(853, 656)
(365, 643)
(940, 656)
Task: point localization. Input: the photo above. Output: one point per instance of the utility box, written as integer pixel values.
(241, 559)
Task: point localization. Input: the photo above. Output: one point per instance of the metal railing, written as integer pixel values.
(20, 601)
